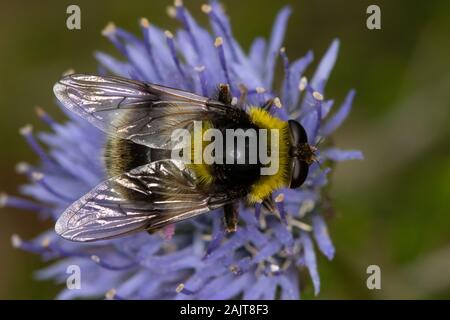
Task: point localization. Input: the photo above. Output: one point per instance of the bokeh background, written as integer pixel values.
(392, 209)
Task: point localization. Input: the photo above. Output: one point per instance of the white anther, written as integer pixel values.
(22, 167)
(300, 225)
(279, 198)
(16, 241)
(171, 11)
(168, 34)
(218, 42)
(277, 102)
(260, 90)
(68, 72)
(110, 294)
(37, 176)
(317, 95)
(180, 288)
(303, 83)
(45, 242)
(274, 268)
(206, 8)
(26, 129)
(3, 199)
(144, 22)
(109, 29)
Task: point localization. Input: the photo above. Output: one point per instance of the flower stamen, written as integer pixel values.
(18, 203)
(182, 289)
(171, 11)
(27, 133)
(110, 294)
(279, 202)
(16, 241)
(277, 103)
(208, 9)
(173, 52)
(201, 75)
(218, 43)
(300, 225)
(45, 117)
(39, 178)
(182, 15)
(113, 267)
(145, 27)
(303, 83)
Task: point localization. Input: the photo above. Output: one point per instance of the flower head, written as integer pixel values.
(197, 259)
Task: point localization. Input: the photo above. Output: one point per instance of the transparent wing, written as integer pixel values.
(148, 197)
(144, 113)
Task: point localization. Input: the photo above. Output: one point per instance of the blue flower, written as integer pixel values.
(263, 258)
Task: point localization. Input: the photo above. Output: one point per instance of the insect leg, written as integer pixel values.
(267, 105)
(244, 93)
(231, 216)
(269, 204)
(224, 94)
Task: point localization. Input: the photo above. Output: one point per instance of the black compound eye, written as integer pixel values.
(299, 173)
(297, 132)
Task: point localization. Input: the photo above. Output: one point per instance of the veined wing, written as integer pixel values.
(148, 197)
(144, 113)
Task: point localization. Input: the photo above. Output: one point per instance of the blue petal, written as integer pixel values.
(291, 92)
(257, 237)
(257, 55)
(113, 65)
(260, 286)
(336, 154)
(233, 288)
(320, 232)
(336, 120)
(323, 71)
(289, 286)
(283, 235)
(310, 260)
(267, 251)
(131, 286)
(276, 40)
(310, 122)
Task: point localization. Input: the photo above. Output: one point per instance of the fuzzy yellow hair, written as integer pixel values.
(202, 171)
(265, 185)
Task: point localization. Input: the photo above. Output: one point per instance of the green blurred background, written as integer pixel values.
(392, 208)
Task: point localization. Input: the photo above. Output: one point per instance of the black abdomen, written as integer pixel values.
(122, 155)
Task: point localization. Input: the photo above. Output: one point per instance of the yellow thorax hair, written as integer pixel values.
(203, 171)
(266, 184)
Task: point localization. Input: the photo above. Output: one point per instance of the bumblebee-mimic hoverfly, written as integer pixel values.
(146, 188)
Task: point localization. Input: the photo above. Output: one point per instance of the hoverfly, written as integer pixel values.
(146, 189)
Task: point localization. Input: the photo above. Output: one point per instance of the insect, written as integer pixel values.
(146, 189)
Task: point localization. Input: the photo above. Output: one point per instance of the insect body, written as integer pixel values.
(146, 187)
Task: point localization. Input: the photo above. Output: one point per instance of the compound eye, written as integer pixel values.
(297, 132)
(299, 173)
